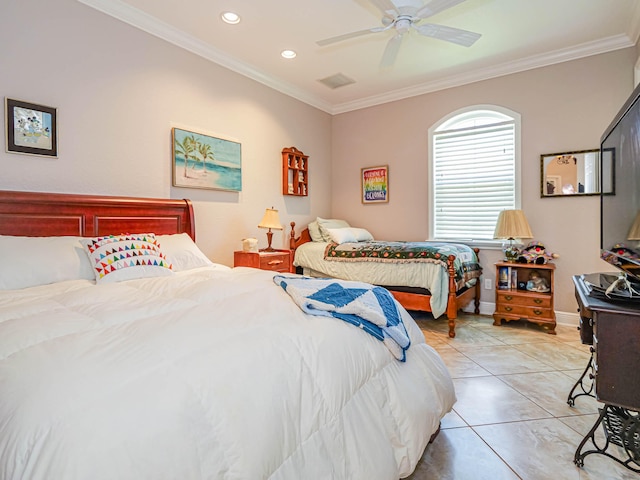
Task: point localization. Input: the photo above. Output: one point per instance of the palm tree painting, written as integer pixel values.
(203, 161)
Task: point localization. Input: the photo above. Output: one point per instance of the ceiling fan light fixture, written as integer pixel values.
(230, 18)
(288, 54)
(402, 16)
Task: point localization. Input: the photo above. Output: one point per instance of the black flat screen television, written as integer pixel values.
(620, 212)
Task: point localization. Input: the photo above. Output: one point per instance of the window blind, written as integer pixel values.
(474, 179)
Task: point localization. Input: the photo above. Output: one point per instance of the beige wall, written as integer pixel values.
(119, 91)
(563, 107)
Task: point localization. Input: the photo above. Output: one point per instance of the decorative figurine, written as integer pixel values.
(537, 283)
(535, 252)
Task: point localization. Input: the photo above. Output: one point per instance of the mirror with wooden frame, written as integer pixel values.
(576, 173)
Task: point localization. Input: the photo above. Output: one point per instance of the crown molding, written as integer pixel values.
(536, 61)
(160, 29)
(143, 21)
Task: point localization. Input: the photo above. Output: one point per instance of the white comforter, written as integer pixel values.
(212, 373)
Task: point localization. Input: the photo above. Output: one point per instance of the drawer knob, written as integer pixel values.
(508, 297)
(537, 300)
(508, 309)
(537, 312)
(275, 262)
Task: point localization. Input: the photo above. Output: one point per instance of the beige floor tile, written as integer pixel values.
(577, 344)
(512, 336)
(483, 400)
(566, 333)
(557, 355)
(504, 359)
(550, 390)
(461, 366)
(472, 336)
(466, 334)
(522, 325)
(544, 449)
(512, 384)
(459, 454)
(582, 423)
(453, 420)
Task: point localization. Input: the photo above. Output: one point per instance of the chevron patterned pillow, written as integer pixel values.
(115, 258)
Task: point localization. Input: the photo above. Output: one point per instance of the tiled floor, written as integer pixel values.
(511, 419)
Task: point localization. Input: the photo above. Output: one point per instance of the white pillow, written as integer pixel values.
(314, 232)
(349, 235)
(341, 235)
(362, 234)
(126, 257)
(325, 223)
(182, 252)
(32, 261)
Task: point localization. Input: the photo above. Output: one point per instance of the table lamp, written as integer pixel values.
(270, 220)
(512, 224)
(634, 231)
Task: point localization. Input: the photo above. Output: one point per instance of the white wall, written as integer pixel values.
(563, 108)
(118, 91)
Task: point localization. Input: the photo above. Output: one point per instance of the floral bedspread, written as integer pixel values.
(466, 263)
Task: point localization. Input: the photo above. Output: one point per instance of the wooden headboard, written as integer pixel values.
(295, 242)
(54, 214)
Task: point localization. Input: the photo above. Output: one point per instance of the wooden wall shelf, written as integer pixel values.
(295, 172)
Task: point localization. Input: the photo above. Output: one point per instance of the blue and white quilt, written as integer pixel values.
(366, 306)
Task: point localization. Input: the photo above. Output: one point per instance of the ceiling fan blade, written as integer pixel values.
(391, 51)
(436, 6)
(448, 34)
(385, 6)
(347, 36)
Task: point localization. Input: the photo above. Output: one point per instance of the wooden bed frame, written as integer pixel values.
(419, 301)
(55, 214)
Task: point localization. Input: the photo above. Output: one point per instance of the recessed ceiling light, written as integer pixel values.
(230, 17)
(288, 54)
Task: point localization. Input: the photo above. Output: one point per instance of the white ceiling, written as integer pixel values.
(516, 35)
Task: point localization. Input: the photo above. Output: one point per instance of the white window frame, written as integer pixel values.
(489, 244)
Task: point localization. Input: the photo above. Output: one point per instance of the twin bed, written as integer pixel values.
(186, 368)
(436, 277)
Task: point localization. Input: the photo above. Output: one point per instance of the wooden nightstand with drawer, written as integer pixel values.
(517, 299)
(276, 261)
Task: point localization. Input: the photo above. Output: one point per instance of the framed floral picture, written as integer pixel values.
(31, 128)
(375, 184)
(203, 161)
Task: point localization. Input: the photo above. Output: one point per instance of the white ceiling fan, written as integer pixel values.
(405, 15)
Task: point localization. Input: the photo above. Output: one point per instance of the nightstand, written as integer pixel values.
(514, 301)
(276, 261)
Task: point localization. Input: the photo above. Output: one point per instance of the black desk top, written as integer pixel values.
(590, 287)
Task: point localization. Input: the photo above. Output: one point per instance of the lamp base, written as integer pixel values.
(269, 238)
(511, 254)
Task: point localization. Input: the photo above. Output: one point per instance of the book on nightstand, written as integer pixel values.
(504, 278)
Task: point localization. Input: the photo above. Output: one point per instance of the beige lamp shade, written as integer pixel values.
(512, 224)
(634, 231)
(270, 220)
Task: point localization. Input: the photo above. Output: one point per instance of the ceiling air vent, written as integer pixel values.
(337, 80)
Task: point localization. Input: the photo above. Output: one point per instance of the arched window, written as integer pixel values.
(474, 172)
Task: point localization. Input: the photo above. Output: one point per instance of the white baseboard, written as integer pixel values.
(562, 318)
